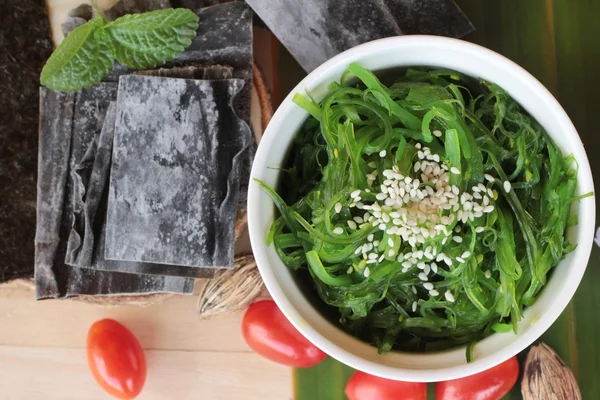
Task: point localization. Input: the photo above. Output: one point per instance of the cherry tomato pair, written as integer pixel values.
(491, 384)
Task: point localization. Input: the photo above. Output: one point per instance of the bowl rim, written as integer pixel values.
(521, 341)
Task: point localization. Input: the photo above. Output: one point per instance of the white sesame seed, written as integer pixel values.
(455, 171)
(427, 269)
(448, 261)
(421, 265)
(338, 230)
(449, 296)
(418, 145)
(381, 258)
(486, 200)
(420, 154)
(481, 187)
(373, 256)
(381, 196)
(460, 260)
(434, 268)
(350, 270)
(417, 166)
(352, 205)
(370, 237)
(488, 209)
(479, 229)
(507, 186)
(352, 224)
(385, 218)
(414, 289)
(391, 253)
(338, 207)
(457, 239)
(372, 164)
(489, 178)
(355, 194)
(476, 189)
(490, 193)
(414, 306)
(423, 277)
(407, 264)
(437, 133)
(382, 153)
(376, 243)
(400, 257)
(434, 293)
(488, 274)
(428, 285)
(358, 220)
(390, 242)
(466, 254)
(477, 195)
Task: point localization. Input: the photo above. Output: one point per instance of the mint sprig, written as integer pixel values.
(80, 61)
(146, 40)
(137, 41)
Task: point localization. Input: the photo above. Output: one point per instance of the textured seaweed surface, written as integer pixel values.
(25, 45)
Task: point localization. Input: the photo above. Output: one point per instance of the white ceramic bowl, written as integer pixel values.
(472, 60)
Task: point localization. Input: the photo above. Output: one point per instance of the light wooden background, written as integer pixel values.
(42, 351)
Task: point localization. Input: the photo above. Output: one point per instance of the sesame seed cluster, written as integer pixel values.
(416, 217)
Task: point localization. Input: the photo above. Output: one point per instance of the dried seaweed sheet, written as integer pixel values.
(62, 145)
(316, 30)
(313, 31)
(225, 37)
(175, 174)
(430, 17)
(86, 245)
(209, 72)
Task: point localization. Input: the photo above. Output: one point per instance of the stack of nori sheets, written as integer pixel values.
(141, 176)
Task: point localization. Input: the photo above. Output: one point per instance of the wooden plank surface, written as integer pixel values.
(42, 351)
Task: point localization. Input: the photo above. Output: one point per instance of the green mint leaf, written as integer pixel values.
(80, 61)
(146, 40)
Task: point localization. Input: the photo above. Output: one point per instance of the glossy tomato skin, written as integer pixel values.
(268, 332)
(116, 359)
(363, 386)
(491, 384)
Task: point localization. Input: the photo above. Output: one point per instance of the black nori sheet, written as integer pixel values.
(24, 47)
(313, 31)
(175, 172)
(68, 126)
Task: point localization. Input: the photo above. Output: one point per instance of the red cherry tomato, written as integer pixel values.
(491, 384)
(116, 359)
(268, 332)
(363, 386)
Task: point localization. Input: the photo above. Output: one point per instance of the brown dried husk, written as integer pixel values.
(547, 377)
(231, 290)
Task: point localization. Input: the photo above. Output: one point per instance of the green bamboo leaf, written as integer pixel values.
(80, 61)
(146, 40)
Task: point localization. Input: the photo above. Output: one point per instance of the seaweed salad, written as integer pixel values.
(428, 212)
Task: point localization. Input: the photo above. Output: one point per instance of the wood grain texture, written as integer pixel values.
(42, 352)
